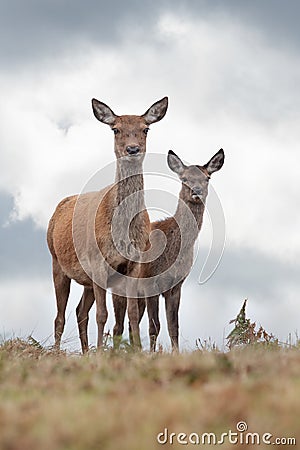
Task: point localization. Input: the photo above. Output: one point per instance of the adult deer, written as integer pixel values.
(82, 218)
(166, 274)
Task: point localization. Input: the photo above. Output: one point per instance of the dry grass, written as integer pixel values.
(122, 400)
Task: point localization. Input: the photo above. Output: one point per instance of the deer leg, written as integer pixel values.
(120, 304)
(133, 315)
(82, 312)
(101, 312)
(172, 301)
(141, 307)
(154, 324)
(62, 291)
(133, 306)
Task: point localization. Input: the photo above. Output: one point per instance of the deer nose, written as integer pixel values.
(132, 149)
(197, 191)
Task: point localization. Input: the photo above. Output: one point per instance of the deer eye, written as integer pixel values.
(184, 180)
(116, 131)
(146, 130)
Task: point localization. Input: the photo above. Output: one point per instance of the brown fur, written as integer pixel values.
(93, 218)
(175, 263)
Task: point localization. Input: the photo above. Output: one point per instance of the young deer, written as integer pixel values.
(172, 267)
(88, 216)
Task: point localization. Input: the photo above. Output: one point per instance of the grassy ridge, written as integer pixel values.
(123, 400)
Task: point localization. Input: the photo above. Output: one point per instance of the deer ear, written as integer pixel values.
(156, 112)
(103, 112)
(216, 162)
(175, 163)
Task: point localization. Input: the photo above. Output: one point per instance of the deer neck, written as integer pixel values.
(189, 220)
(129, 179)
(130, 202)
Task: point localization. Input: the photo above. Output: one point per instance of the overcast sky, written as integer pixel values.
(231, 71)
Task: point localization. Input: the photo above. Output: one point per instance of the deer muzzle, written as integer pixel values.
(133, 150)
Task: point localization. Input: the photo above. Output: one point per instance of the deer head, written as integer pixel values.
(195, 179)
(130, 131)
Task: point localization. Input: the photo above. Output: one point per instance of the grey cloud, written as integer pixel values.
(277, 20)
(270, 285)
(33, 29)
(23, 248)
(249, 272)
